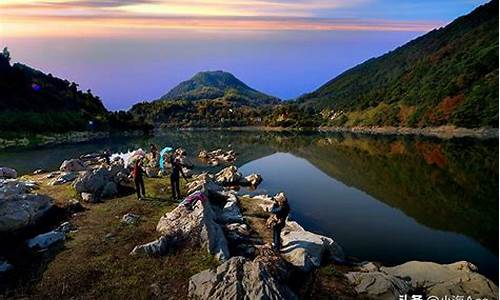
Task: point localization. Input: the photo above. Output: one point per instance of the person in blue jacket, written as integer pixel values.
(280, 211)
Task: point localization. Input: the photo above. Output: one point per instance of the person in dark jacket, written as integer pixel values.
(137, 173)
(175, 176)
(280, 211)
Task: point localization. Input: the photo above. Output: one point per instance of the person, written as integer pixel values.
(137, 173)
(280, 211)
(175, 176)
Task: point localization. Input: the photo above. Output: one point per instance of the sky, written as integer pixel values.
(128, 51)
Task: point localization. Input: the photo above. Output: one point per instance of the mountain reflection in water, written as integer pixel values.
(389, 199)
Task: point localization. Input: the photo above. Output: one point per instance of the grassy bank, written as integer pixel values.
(94, 262)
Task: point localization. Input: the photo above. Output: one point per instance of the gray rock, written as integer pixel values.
(74, 206)
(44, 240)
(195, 228)
(88, 197)
(378, 285)
(228, 176)
(38, 171)
(238, 278)
(203, 182)
(65, 228)
(231, 212)
(6, 172)
(72, 165)
(252, 180)
(22, 210)
(241, 229)
(92, 181)
(64, 178)
(306, 250)
(130, 218)
(109, 190)
(13, 187)
(446, 280)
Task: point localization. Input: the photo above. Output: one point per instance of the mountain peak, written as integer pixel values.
(207, 85)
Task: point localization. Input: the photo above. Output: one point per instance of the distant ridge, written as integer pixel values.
(449, 76)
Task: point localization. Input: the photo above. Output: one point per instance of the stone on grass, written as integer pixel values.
(130, 218)
(378, 285)
(72, 165)
(44, 240)
(22, 210)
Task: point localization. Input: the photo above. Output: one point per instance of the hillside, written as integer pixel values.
(208, 99)
(447, 77)
(217, 85)
(32, 101)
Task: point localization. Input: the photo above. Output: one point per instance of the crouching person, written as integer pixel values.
(277, 221)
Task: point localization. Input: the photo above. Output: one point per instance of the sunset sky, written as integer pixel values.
(131, 50)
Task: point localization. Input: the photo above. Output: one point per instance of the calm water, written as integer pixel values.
(387, 199)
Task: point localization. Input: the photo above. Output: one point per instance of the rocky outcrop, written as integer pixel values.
(216, 156)
(378, 285)
(72, 165)
(231, 211)
(101, 182)
(239, 278)
(306, 250)
(203, 182)
(445, 280)
(228, 176)
(7, 172)
(64, 178)
(251, 180)
(18, 208)
(189, 228)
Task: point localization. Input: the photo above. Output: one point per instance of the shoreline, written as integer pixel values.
(442, 132)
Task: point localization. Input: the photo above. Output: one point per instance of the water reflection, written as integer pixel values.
(390, 199)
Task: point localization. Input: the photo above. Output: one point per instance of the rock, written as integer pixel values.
(228, 176)
(241, 229)
(52, 175)
(12, 187)
(130, 218)
(5, 266)
(203, 182)
(64, 178)
(231, 212)
(460, 278)
(118, 172)
(378, 285)
(44, 240)
(6, 172)
(109, 190)
(22, 210)
(368, 267)
(65, 228)
(72, 165)
(264, 201)
(188, 172)
(88, 197)
(306, 250)
(92, 181)
(252, 180)
(191, 228)
(38, 171)
(74, 206)
(238, 278)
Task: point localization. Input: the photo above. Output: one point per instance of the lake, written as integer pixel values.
(390, 199)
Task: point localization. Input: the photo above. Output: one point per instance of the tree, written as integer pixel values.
(6, 54)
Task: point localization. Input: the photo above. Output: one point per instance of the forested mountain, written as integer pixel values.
(218, 85)
(208, 99)
(447, 77)
(32, 101)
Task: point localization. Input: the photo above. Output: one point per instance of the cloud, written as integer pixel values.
(136, 17)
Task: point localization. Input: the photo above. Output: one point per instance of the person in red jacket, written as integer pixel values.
(137, 174)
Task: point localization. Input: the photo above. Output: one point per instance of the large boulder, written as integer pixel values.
(238, 278)
(109, 190)
(22, 210)
(12, 187)
(231, 211)
(92, 181)
(64, 178)
(72, 165)
(203, 182)
(378, 285)
(6, 172)
(228, 176)
(189, 228)
(306, 250)
(252, 180)
(460, 278)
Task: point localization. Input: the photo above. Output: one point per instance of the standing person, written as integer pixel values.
(137, 173)
(280, 211)
(175, 176)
